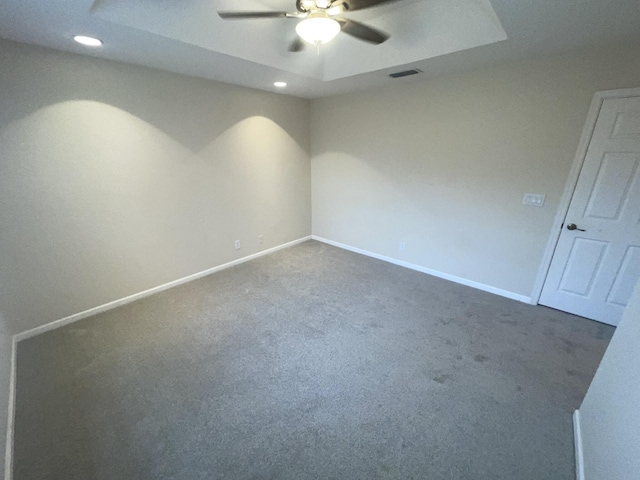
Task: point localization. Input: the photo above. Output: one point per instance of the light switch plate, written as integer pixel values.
(534, 199)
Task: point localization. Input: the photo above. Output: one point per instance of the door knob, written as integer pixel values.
(573, 226)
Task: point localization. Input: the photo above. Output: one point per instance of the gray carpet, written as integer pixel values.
(310, 363)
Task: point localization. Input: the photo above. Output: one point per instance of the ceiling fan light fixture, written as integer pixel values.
(318, 28)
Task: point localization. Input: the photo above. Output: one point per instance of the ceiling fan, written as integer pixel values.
(321, 21)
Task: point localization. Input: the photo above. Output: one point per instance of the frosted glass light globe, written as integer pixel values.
(318, 28)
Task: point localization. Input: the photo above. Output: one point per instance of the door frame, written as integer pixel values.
(572, 181)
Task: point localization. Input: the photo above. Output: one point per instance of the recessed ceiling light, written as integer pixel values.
(280, 84)
(88, 41)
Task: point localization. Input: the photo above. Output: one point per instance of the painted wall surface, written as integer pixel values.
(609, 417)
(116, 178)
(5, 373)
(443, 165)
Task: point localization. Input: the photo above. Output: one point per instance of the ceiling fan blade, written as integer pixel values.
(352, 5)
(362, 31)
(296, 45)
(241, 15)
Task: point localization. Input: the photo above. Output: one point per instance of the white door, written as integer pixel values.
(597, 264)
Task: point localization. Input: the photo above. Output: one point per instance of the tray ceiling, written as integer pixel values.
(420, 29)
(436, 36)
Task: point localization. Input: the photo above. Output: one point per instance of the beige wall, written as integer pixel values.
(115, 179)
(443, 165)
(610, 412)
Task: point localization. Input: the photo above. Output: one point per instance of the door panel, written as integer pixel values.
(593, 272)
(582, 266)
(607, 199)
(627, 125)
(625, 278)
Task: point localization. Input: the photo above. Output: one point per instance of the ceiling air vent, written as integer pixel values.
(406, 73)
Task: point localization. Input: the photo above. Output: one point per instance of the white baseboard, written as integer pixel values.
(8, 458)
(429, 271)
(577, 442)
(137, 296)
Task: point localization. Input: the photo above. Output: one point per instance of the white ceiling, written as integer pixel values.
(421, 30)
(435, 36)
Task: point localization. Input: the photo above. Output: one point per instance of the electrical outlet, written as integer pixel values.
(259, 238)
(534, 199)
(237, 244)
(402, 247)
